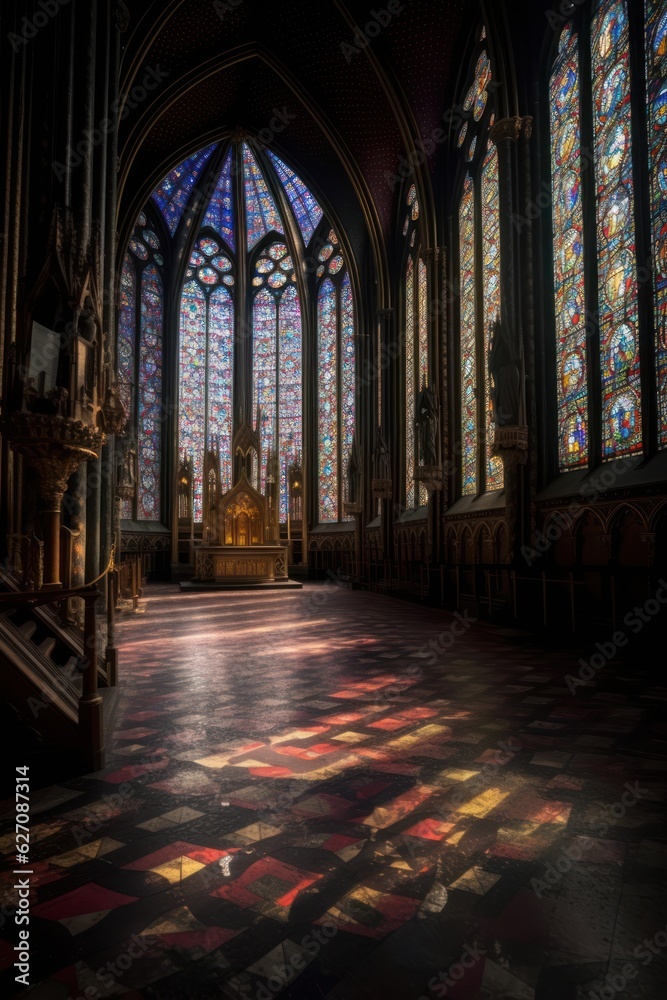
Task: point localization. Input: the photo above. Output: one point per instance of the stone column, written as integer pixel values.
(511, 442)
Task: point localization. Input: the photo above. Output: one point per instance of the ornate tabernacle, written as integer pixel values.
(240, 542)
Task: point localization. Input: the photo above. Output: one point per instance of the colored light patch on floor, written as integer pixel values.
(268, 886)
(202, 855)
(481, 805)
(400, 807)
(429, 829)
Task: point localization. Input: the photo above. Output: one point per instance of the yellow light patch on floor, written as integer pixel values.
(455, 837)
(155, 824)
(216, 760)
(253, 833)
(96, 849)
(181, 815)
(476, 880)
(351, 737)
(425, 733)
(483, 804)
(179, 869)
(458, 774)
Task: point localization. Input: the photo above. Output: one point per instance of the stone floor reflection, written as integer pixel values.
(327, 794)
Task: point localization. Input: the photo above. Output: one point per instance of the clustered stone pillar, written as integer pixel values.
(387, 352)
(511, 442)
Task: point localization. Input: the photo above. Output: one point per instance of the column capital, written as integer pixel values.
(527, 126)
(385, 314)
(507, 129)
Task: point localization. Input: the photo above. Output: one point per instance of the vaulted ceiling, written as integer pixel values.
(349, 114)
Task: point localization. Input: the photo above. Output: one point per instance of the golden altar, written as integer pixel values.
(241, 533)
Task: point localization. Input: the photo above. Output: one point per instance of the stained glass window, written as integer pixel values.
(479, 276)
(261, 212)
(243, 215)
(264, 375)
(656, 74)
(220, 367)
(192, 385)
(126, 347)
(617, 272)
(220, 212)
(127, 321)
(410, 401)
(172, 195)
(327, 401)
(568, 256)
(150, 397)
(307, 211)
(491, 286)
(626, 189)
(347, 364)
(423, 324)
(289, 388)
(468, 339)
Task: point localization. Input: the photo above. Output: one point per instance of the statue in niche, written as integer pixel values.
(504, 370)
(427, 427)
(87, 326)
(381, 458)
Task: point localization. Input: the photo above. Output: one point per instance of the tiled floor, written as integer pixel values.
(327, 794)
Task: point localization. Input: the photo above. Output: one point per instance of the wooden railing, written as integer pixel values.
(90, 718)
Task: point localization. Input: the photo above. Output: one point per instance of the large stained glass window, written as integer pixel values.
(656, 73)
(139, 349)
(206, 360)
(327, 328)
(468, 339)
(617, 266)
(192, 384)
(480, 303)
(491, 287)
(306, 209)
(172, 195)
(127, 320)
(258, 221)
(150, 397)
(277, 362)
(410, 400)
(336, 380)
(261, 212)
(416, 345)
(600, 384)
(568, 258)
